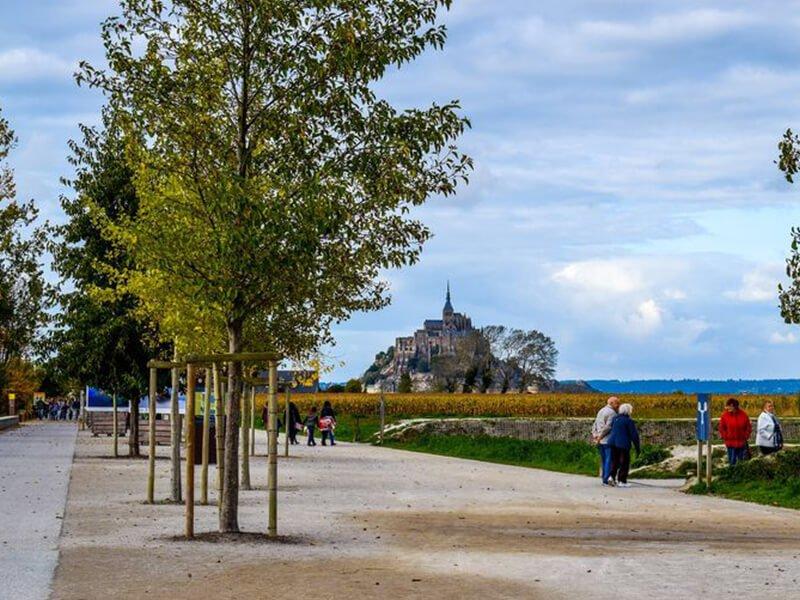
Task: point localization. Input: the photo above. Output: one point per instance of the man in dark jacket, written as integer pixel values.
(623, 436)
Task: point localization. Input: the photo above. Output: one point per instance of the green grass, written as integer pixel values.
(774, 481)
(579, 458)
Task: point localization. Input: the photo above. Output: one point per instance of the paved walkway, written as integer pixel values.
(35, 463)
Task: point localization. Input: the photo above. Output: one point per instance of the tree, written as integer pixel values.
(100, 336)
(474, 356)
(405, 386)
(502, 344)
(267, 150)
(447, 372)
(788, 162)
(353, 386)
(23, 290)
(535, 355)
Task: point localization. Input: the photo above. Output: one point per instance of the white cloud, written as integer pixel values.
(600, 276)
(674, 294)
(783, 338)
(29, 64)
(760, 285)
(647, 318)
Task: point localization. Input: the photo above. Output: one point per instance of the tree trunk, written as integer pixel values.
(229, 513)
(133, 436)
(175, 437)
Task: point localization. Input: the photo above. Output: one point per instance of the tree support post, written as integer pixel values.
(245, 435)
(709, 460)
(253, 421)
(206, 439)
(151, 447)
(272, 472)
(175, 437)
(82, 413)
(699, 461)
(286, 425)
(190, 433)
(114, 431)
(219, 423)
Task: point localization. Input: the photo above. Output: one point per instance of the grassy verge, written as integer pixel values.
(345, 428)
(578, 458)
(773, 480)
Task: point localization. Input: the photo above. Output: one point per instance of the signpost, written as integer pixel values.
(703, 429)
(12, 404)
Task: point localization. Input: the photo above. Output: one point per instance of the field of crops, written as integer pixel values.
(530, 405)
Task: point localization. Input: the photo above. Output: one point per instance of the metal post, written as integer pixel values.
(272, 472)
(286, 426)
(383, 416)
(189, 451)
(151, 426)
(206, 439)
(114, 423)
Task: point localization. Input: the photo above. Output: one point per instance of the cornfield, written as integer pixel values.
(654, 406)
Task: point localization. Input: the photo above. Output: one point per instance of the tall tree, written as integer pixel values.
(23, 290)
(535, 356)
(100, 337)
(273, 181)
(789, 162)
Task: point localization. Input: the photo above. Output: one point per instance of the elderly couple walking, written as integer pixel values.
(615, 433)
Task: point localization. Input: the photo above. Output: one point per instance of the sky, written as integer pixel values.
(624, 201)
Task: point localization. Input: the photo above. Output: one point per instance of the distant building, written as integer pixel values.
(438, 337)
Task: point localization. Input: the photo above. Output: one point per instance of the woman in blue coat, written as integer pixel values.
(623, 436)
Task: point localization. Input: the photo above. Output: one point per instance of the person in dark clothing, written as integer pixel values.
(294, 423)
(327, 422)
(76, 409)
(311, 422)
(623, 435)
(265, 421)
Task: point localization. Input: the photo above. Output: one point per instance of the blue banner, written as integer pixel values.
(703, 424)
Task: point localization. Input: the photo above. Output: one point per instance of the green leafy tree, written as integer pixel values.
(447, 372)
(100, 338)
(353, 386)
(535, 356)
(789, 296)
(404, 386)
(23, 290)
(273, 182)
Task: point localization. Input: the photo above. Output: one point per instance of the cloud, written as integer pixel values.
(29, 64)
(600, 277)
(760, 285)
(788, 338)
(647, 318)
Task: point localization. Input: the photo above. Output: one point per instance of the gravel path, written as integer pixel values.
(371, 522)
(35, 463)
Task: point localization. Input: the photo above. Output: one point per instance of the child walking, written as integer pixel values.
(311, 422)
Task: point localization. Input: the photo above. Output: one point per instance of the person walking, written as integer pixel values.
(295, 422)
(327, 422)
(600, 432)
(735, 430)
(311, 422)
(623, 435)
(769, 435)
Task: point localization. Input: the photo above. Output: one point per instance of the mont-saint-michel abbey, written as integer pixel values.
(437, 337)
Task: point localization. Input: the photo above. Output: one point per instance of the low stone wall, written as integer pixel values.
(664, 432)
(8, 422)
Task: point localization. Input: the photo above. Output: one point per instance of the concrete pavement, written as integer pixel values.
(35, 463)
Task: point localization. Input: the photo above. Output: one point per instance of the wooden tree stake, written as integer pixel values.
(151, 426)
(382, 411)
(272, 471)
(175, 436)
(253, 421)
(114, 427)
(219, 424)
(286, 425)
(190, 434)
(245, 434)
(206, 439)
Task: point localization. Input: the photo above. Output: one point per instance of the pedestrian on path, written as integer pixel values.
(623, 436)
(735, 430)
(311, 422)
(295, 423)
(327, 422)
(600, 431)
(769, 435)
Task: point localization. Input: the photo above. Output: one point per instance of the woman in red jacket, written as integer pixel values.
(734, 429)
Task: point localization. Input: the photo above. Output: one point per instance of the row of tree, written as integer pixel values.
(245, 190)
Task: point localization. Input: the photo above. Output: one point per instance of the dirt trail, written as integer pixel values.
(376, 523)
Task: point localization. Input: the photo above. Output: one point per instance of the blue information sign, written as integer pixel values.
(703, 417)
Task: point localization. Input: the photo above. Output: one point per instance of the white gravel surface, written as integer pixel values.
(35, 462)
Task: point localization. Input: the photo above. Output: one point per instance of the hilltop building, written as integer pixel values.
(437, 337)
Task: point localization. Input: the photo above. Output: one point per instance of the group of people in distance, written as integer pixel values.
(57, 410)
(325, 421)
(615, 434)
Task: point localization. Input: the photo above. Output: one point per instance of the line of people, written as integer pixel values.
(615, 434)
(57, 410)
(325, 421)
